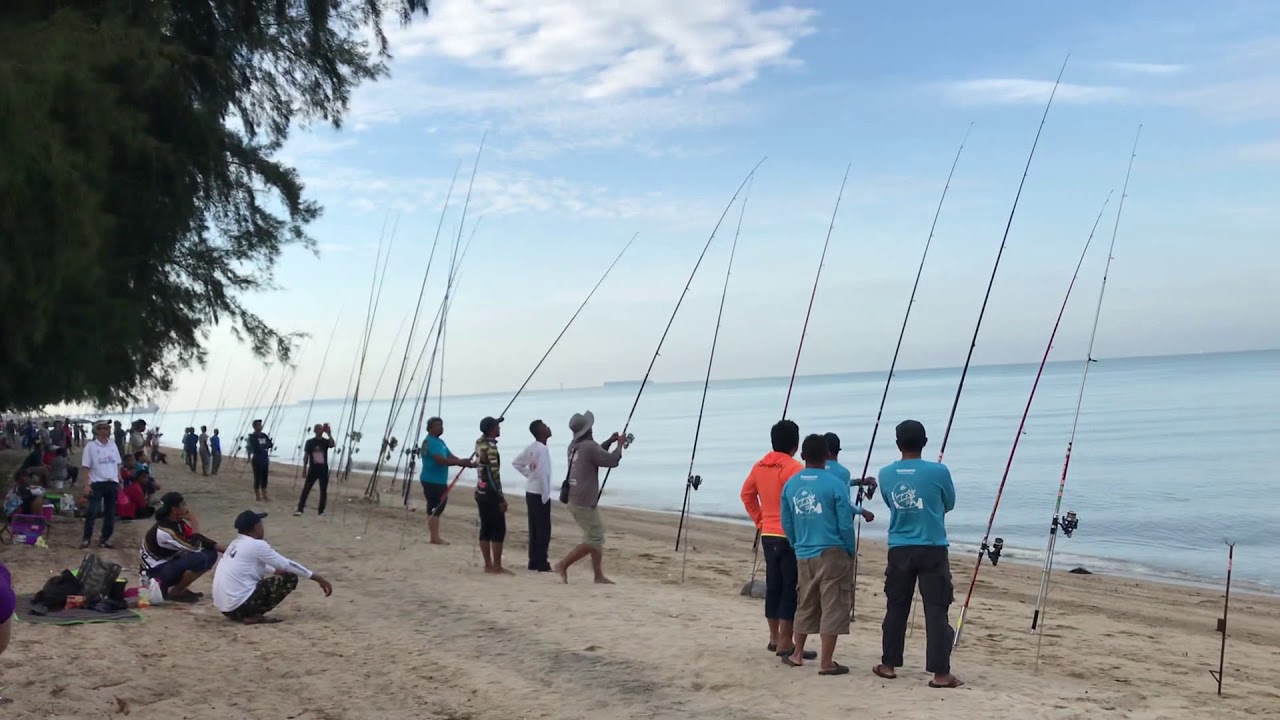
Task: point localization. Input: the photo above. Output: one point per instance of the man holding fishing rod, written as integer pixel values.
(436, 461)
(581, 492)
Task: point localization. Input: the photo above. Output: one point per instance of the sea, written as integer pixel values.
(1171, 458)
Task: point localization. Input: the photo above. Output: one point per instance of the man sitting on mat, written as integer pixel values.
(253, 578)
(174, 552)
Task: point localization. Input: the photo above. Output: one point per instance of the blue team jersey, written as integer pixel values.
(919, 494)
(816, 513)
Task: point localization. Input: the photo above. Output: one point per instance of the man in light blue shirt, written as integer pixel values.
(436, 461)
(919, 494)
(817, 517)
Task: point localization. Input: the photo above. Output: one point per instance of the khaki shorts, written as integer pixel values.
(592, 526)
(825, 588)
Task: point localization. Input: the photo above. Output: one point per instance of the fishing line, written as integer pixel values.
(222, 396)
(626, 439)
(199, 398)
(964, 372)
(804, 330)
(693, 482)
(547, 354)
(986, 549)
(893, 365)
(1069, 524)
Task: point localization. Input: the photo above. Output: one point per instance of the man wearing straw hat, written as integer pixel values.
(586, 457)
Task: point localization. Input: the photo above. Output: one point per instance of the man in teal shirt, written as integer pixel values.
(919, 494)
(436, 461)
(817, 517)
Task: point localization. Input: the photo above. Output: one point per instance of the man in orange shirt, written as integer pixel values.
(761, 496)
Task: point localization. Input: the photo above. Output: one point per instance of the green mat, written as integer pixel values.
(79, 616)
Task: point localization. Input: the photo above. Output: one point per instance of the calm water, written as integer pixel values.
(1170, 458)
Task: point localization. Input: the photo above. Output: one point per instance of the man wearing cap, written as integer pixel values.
(534, 462)
(315, 467)
(101, 462)
(919, 494)
(436, 461)
(253, 578)
(586, 457)
(173, 551)
(490, 501)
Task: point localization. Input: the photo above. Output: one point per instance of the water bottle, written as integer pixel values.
(144, 590)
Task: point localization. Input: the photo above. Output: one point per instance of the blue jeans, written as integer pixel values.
(102, 501)
(170, 573)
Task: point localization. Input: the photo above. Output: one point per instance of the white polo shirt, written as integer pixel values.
(102, 461)
(246, 561)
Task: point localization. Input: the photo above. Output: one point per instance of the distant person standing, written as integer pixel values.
(436, 461)
(215, 449)
(203, 444)
(534, 462)
(817, 517)
(586, 457)
(919, 494)
(315, 466)
(761, 497)
(137, 440)
(101, 462)
(190, 443)
(260, 460)
(491, 503)
(120, 438)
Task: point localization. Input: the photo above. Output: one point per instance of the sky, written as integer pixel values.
(608, 118)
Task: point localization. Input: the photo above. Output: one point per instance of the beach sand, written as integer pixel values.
(416, 631)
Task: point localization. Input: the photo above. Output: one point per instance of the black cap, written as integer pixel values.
(833, 442)
(911, 432)
(171, 499)
(248, 520)
(489, 423)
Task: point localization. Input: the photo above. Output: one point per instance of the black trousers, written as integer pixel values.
(191, 461)
(493, 522)
(539, 531)
(315, 473)
(259, 476)
(779, 578)
(928, 566)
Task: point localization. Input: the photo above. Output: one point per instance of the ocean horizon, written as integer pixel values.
(1168, 460)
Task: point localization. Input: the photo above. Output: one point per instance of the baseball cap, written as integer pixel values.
(833, 442)
(911, 432)
(247, 520)
(489, 423)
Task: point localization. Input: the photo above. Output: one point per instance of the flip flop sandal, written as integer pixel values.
(955, 683)
(881, 673)
(771, 647)
(786, 660)
(808, 654)
(837, 670)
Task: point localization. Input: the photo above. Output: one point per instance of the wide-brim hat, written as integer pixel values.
(581, 423)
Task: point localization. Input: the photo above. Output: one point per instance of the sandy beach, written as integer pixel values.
(416, 631)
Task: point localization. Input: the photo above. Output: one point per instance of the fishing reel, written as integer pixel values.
(694, 482)
(993, 550)
(1069, 523)
(627, 440)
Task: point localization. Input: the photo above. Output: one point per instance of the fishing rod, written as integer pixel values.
(804, 330)
(1069, 524)
(252, 402)
(421, 396)
(626, 439)
(199, 399)
(693, 482)
(1222, 621)
(324, 359)
(865, 493)
(375, 297)
(222, 396)
(987, 550)
(552, 347)
(964, 372)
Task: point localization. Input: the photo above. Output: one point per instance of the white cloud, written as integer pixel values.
(1147, 68)
(611, 47)
(1255, 98)
(1008, 91)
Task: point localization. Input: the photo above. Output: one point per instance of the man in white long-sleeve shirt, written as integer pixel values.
(534, 462)
(253, 578)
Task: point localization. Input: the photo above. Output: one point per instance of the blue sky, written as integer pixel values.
(607, 118)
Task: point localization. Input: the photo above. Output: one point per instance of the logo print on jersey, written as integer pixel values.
(904, 498)
(806, 503)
